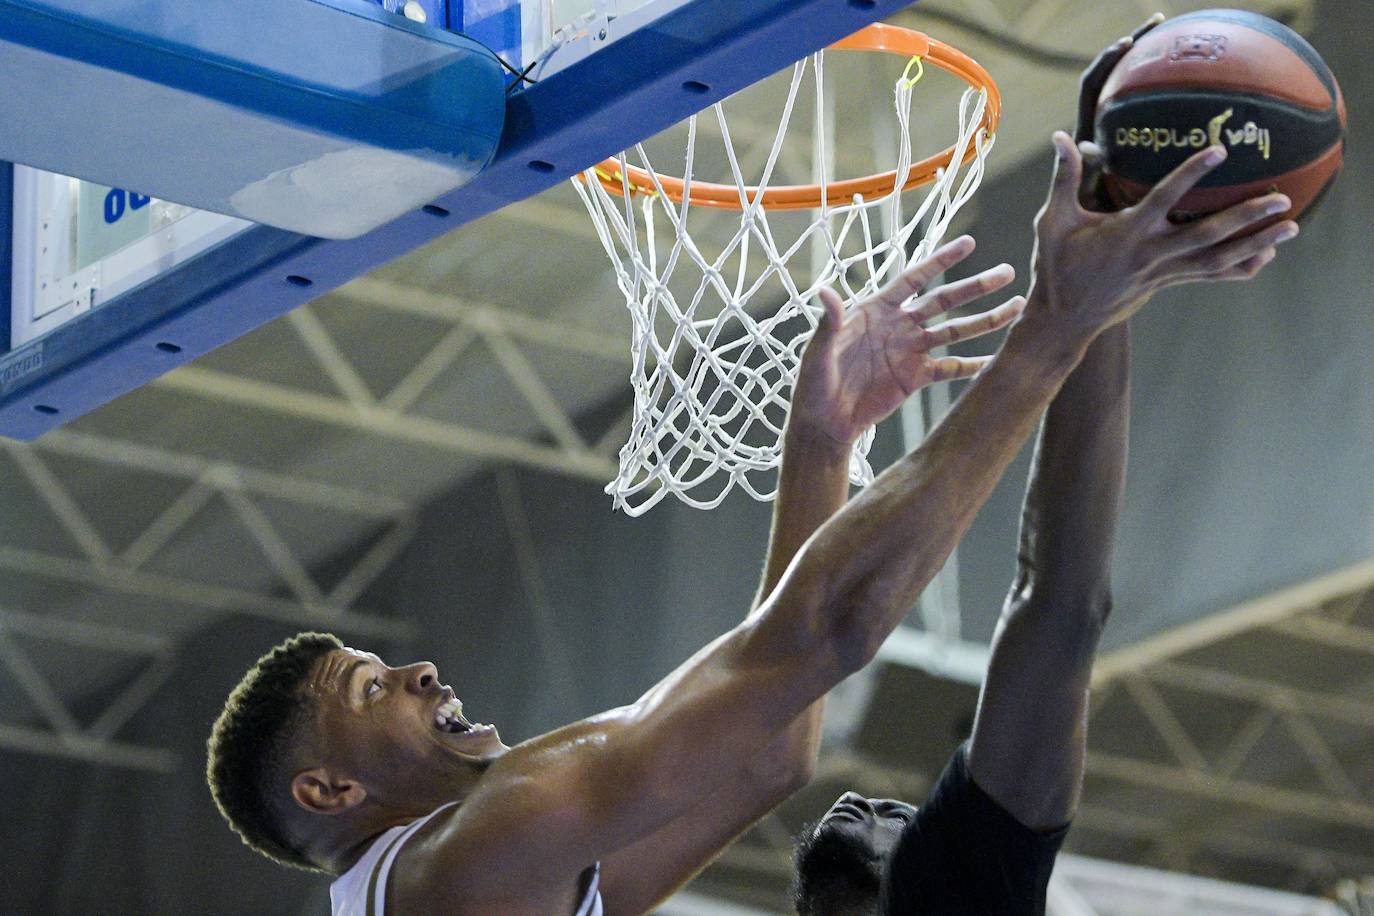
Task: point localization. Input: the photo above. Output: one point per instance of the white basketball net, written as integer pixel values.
(714, 356)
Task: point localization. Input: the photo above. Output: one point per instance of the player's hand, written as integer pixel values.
(1093, 270)
(860, 367)
(1090, 83)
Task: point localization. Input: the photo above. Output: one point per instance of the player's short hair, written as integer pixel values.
(250, 745)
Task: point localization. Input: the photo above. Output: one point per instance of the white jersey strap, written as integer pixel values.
(591, 893)
(376, 890)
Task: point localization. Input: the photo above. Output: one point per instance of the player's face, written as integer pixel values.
(396, 725)
(868, 826)
(841, 862)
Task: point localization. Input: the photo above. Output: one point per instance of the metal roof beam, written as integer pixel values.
(399, 297)
(384, 423)
(82, 633)
(192, 467)
(1278, 697)
(1243, 793)
(203, 597)
(1266, 610)
(89, 750)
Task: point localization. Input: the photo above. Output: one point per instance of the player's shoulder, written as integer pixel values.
(448, 869)
(484, 855)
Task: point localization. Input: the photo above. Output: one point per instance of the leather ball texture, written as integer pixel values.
(1228, 77)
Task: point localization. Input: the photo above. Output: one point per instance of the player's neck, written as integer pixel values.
(338, 846)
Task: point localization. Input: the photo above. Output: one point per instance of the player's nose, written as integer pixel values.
(861, 802)
(420, 676)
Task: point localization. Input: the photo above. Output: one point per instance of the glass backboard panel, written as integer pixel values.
(78, 245)
(128, 300)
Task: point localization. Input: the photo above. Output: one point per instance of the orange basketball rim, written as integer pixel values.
(889, 39)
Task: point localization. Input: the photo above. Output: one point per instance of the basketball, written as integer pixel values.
(1226, 77)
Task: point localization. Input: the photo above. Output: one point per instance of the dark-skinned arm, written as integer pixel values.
(813, 484)
(578, 794)
(1031, 729)
(822, 426)
(1030, 734)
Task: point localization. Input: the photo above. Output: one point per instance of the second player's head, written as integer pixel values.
(841, 859)
(320, 744)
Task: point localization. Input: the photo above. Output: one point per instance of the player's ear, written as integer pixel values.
(321, 792)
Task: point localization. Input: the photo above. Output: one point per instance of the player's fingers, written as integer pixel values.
(1091, 82)
(953, 367)
(1231, 221)
(1091, 193)
(1247, 269)
(1093, 156)
(961, 292)
(1146, 26)
(1170, 190)
(973, 326)
(1068, 175)
(919, 275)
(1095, 77)
(1219, 258)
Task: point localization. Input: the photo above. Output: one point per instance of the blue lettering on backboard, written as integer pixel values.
(117, 200)
(114, 206)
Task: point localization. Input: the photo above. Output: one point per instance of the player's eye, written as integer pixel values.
(374, 686)
(897, 813)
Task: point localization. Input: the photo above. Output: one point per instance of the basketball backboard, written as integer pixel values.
(601, 75)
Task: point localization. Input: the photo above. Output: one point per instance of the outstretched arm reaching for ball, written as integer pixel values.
(880, 354)
(1029, 739)
(549, 807)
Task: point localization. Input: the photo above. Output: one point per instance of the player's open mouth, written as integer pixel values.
(449, 718)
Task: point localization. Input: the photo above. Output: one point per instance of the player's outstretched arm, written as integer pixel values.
(1060, 598)
(616, 786)
(1091, 271)
(1030, 734)
(832, 406)
(577, 795)
(1030, 731)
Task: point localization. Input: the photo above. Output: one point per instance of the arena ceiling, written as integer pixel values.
(224, 487)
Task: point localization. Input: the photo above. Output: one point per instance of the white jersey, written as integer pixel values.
(361, 891)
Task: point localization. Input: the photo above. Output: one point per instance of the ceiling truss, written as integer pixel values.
(97, 564)
(387, 415)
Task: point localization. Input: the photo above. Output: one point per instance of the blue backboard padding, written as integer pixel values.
(631, 89)
(312, 104)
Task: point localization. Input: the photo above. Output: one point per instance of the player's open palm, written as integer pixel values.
(859, 367)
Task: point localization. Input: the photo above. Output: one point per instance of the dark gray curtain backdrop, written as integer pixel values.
(1254, 421)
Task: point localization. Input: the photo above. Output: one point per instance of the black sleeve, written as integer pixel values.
(964, 855)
